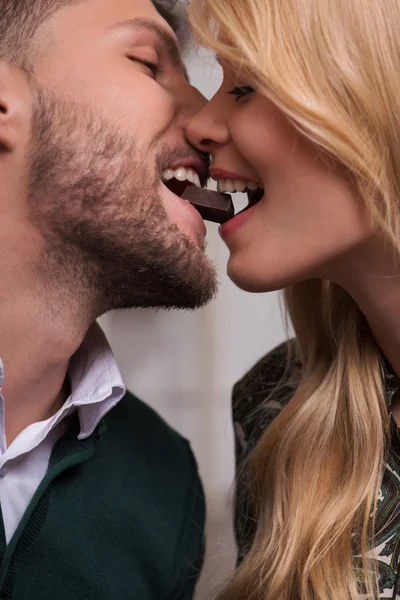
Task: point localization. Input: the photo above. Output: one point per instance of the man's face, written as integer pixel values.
(111, 103)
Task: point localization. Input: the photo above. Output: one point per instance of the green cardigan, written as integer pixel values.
(119, 516)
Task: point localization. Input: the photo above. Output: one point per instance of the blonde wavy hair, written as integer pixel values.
(333, 68)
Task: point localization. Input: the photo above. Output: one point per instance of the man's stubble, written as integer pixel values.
(108, 242)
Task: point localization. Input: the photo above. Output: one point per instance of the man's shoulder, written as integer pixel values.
(134, 428)
(154, 488)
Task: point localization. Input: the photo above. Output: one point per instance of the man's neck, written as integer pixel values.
(35, 349)
(19, 415)
(45, 313)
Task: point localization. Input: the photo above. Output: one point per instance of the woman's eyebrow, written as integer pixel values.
(165, 37)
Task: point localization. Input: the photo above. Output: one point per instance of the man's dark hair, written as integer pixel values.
(174, 12)
(20, 19)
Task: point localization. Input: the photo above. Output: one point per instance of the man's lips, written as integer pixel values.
(183, 211)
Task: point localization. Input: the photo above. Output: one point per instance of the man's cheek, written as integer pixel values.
(149, 117)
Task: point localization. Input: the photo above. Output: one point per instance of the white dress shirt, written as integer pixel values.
(96, 387)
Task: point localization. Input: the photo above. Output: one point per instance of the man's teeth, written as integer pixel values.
(182, 174)
(238, 185)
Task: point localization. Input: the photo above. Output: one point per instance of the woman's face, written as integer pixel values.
(308, 218)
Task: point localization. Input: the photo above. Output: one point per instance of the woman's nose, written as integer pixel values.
(207, 130)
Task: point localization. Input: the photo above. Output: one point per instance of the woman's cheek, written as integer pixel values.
(251, 139)
(263, 136)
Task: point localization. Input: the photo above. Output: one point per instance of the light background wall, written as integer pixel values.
(184, 365)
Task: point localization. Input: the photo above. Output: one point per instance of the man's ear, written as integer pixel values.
(15, 106)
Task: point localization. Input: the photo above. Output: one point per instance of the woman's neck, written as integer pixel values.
(371, 275)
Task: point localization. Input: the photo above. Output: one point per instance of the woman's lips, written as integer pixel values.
(223, 174)
(231, 226)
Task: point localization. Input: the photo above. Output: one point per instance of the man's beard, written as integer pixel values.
(108, 239)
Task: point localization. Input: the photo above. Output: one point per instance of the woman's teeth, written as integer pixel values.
(182, 174)
(230, 186)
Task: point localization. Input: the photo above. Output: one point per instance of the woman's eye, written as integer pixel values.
(152, 67)
(239, 92)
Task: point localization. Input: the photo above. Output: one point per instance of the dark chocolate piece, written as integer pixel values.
(213, 206)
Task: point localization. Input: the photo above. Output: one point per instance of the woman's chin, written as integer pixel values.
(251, 279)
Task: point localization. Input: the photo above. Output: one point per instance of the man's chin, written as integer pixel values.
(202, 294)
(178, 276)
(192, 291)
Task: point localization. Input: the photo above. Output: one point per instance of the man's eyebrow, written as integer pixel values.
(168, 41)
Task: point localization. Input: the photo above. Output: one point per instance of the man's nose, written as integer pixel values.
(192, 102)
(208, 130)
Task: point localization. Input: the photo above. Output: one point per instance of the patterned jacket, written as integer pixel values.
(250, 395)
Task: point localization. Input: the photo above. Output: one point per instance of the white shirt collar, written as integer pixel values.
(95, 379)
(96, 387)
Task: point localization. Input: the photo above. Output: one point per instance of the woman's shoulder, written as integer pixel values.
(261, 395)
(257, 399)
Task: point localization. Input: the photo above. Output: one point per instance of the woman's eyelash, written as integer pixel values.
(241, 91)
